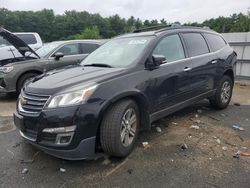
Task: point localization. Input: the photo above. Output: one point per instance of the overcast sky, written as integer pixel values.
(171, 10)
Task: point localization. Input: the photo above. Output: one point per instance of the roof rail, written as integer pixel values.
(160, 28)
(150, 28)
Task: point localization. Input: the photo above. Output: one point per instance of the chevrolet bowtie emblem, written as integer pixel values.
(23, 101)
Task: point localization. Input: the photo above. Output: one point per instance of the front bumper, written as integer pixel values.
(82, 145)
(4, 86)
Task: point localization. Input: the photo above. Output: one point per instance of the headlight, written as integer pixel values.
(73, 97)
(6, 69)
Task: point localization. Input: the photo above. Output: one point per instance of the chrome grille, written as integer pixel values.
(31, 104)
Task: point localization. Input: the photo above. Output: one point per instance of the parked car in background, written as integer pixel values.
(123, 87)
(8, 51)
(15, 72)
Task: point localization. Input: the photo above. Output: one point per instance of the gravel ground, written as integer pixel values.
(194, 147)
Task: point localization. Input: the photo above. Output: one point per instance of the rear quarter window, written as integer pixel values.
(215, 41)
(27, 38)
(196, 44)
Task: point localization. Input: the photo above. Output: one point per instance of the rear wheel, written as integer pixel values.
(223, 93)
(24, 78)
(120, 128)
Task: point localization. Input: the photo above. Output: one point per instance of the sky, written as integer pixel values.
(171, 10)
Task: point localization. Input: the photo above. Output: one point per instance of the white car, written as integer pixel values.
(7, 51)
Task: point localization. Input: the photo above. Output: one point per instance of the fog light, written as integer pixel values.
(60, 129)
(64, 139)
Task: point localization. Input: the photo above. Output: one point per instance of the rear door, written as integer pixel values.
(171, 80)
(203, 63)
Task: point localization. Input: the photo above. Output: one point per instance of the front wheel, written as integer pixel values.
(223, 93)
(24, 78)
(120, 128)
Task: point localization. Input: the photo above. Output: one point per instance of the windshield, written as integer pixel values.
(118, 52)
(47, 48)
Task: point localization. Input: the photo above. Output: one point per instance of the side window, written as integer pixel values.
(87, 48)
(171, 47)
(216, 42)
(69, 49)
(196, 44)
(27, 38)
(3, 42)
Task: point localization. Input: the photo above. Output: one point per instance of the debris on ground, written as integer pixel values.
(194, 127)
(218, 141)
(130, 171)
(237, 155)
(223, 115)
(12, 153)
(174, 123)
(184, 146)
(199, 111)
(237, 104)
(238, 127)
(158, 129)
(62, 170)
(146, 145)
(245, 154)
(25, 171)
(196, 115)
(224, 148)
(106, 162)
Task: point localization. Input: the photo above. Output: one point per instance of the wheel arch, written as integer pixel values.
(230, 73)
(36, 71)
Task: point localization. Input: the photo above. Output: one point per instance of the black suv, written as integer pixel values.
(121, 88)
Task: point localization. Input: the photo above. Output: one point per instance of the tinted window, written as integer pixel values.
(196, 44)
(87, 48)
(69, 49)
(27, 38)
(216, 42)
(171, 47)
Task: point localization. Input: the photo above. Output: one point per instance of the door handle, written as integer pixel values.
(214, 61)
(187, 69)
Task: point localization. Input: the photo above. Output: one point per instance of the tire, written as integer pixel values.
(24, 78)
(223, 93)
(117, 135)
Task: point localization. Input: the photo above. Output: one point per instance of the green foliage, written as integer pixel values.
(88, 33)
(73, 24)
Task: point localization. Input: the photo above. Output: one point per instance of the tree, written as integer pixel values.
(88, 33)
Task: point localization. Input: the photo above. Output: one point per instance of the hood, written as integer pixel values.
(19, 44)
(55, 81)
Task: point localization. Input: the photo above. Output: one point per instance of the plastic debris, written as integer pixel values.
(63, 170)
(237, 104)
(25, 171)
(194, 127)
(184, 146)
(158, 129)
(174, 123)
(146, 145)
(238, 127)
(196, 115)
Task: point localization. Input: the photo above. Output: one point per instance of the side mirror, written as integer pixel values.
(155, 62)
(58, 55)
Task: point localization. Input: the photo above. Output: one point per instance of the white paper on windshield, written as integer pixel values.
(143, 41)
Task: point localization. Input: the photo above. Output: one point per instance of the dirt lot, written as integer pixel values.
(196, 148)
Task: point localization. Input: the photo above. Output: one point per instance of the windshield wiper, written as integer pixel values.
(97, 65)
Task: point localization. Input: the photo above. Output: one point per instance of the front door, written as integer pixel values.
(171, 80)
